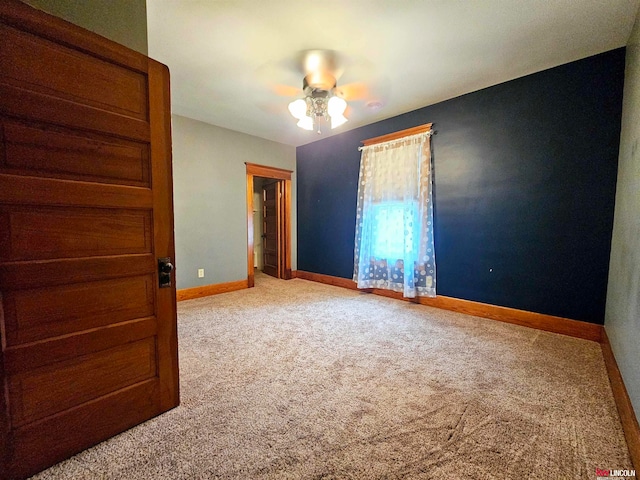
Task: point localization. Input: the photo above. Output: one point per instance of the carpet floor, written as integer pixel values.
(299, 380)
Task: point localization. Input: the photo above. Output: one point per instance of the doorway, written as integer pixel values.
(271, 249)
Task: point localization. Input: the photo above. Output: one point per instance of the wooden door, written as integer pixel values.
(89, 343)
(271, 227)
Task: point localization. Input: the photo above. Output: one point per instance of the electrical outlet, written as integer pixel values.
(201, 273)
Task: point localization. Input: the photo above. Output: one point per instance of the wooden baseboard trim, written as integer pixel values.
(549, 323)
(540, 321)
(206, 290)
(328, 279)
(623, 402)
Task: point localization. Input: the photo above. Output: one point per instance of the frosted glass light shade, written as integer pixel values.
(318, 106)
(298, 108)
(306, 123)
(336, 107)
(337, 120)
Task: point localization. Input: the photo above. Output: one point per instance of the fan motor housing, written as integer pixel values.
(319, 81)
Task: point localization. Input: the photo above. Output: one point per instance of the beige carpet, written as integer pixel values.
(298, 380)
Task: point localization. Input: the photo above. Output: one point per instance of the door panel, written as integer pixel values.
(41, 392)
(271, 229)
(72, 154)
(19, 275)
(37, 354)
(18, 189)
(71, 74)
(34, 314)
(89, 344)
(37, 233)
(34, 450)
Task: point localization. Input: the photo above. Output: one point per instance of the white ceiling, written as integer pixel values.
(233, 62)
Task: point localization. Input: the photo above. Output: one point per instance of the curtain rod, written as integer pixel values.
(426, 128)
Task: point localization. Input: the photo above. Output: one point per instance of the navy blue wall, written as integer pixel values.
(524, 189)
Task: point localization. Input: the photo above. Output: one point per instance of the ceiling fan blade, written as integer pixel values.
(286, 90)
(277, 74)
(353, 91)
(374, 93)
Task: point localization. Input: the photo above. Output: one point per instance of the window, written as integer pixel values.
(394, 221)
(393, 230)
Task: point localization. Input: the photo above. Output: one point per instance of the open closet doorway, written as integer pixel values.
(268, 221)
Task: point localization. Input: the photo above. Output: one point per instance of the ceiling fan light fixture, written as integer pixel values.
(298, 108)
(336, 107)
(306, 123)
(316, 105)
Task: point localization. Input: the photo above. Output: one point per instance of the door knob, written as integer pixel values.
(165, 267)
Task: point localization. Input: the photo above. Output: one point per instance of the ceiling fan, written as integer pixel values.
(321, 101)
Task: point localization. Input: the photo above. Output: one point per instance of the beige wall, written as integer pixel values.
(123, 21)
(210, 199)
(622, 318)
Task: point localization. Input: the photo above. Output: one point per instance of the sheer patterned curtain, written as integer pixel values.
(394, 222)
